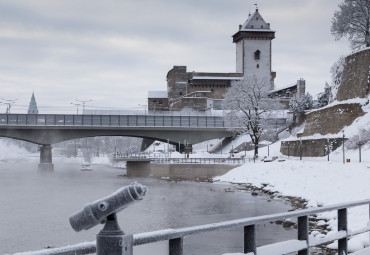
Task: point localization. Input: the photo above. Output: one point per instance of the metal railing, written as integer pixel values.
(112, 120)
(160, 158)
(301, 245)
(231, 161)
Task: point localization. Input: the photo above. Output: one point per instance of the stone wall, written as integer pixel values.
(310, 148)
(355, 77)
(189, 171)
(331, 120)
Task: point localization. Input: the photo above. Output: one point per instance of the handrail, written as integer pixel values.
(186, 121)
(175, 236)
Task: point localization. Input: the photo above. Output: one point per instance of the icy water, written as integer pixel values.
(36, 207)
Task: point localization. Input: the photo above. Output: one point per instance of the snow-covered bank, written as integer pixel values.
(317, 181)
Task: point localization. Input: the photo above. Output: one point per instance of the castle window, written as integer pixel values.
(154, 101)
(258, 66)
(180, 93)
(257, 54)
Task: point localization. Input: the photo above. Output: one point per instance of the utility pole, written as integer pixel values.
(343, 149)
(77, 105)
(83, 102)
(9, 103)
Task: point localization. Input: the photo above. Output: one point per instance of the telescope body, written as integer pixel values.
(97, 212)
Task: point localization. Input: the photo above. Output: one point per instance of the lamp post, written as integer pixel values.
(9, 103)
(77, 105)
(83, 102)
(343, 149)
(359, 149)
(145, 106)
(300, 148)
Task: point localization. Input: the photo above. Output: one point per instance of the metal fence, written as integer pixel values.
(301, 245)
(231, 161)
(111, 120)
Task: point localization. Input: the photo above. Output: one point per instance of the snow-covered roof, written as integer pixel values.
(282, 88)
(255, 22)
(216, 78)
(157, 94)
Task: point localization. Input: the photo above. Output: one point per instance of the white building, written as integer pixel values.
(253, 49)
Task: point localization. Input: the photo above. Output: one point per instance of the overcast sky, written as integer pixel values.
(113, 51)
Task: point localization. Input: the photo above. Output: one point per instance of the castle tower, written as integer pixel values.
(32, 109)
(253, 49)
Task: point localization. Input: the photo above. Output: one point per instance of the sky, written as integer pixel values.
(112, 52)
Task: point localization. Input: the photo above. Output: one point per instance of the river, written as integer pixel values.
(36, 207)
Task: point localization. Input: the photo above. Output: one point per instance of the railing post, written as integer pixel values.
(250, 244)
(176, 246)
(342, 226)
(303, 229)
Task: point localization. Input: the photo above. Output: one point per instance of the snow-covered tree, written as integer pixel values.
(298, 105)
(336, 72)
(247, 106)
(323, 98)
(353, 20)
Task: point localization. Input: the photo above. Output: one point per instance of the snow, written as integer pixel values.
(316, 180)
(216, 78)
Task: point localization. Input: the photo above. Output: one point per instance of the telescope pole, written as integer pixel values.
(112, 240)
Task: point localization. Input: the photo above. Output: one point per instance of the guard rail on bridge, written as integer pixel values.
(122, 120)
(301, 245)
(111, 120)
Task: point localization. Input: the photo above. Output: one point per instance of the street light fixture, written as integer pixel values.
(83, 102)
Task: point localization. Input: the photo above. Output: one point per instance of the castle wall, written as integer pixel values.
(263, 71)
(331, 120)
(355, 77)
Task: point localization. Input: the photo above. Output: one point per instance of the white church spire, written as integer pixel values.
(32, 109)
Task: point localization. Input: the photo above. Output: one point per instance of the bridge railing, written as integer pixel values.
(301, 244)
(231, 161)
(111, 120)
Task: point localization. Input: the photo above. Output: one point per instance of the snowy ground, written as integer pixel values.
(316, 180)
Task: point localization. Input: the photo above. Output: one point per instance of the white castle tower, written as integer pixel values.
(253, 49)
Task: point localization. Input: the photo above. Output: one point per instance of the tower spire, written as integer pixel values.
(32, 109)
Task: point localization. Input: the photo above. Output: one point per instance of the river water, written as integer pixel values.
(35, 208)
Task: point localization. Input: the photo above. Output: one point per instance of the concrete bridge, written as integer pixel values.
(47, 129)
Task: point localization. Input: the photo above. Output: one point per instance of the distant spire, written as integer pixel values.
(32, 109)
(256, 6)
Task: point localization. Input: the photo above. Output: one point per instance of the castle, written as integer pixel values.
(200, 91)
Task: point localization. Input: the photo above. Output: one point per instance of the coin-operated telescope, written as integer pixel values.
(111, 239)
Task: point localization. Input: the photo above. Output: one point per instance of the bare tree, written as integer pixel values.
(353, 20)
(247, 105)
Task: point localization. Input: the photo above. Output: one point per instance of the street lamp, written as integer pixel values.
(9, 103)
(77, 105)
(343, 148)
(145, 106)
(83, 102)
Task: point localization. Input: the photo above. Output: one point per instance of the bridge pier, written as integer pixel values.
(138, 168)
(46, 158)
(183, 148)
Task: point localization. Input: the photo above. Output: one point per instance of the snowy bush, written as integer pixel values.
(336, 72)
(298, 105)
(363, 137)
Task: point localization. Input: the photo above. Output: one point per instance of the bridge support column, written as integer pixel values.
(46, 158)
